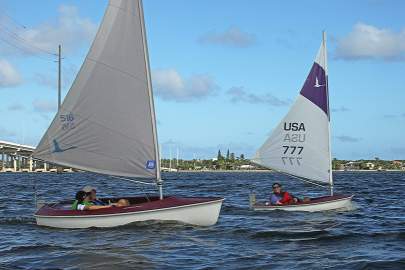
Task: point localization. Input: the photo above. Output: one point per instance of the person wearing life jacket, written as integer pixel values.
(93, 195)
(279, 197)
(91, 191)
(83, 202)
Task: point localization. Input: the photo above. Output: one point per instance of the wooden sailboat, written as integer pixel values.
(107, 125)
(300, 145)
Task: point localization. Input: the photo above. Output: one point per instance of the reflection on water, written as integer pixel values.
(369, 236)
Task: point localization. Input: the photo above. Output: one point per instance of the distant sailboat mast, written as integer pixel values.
(177, 159)
(152, 104)
(170, 158)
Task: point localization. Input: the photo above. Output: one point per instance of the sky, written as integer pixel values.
(225, 72)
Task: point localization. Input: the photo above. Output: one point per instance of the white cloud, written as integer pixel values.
(369, 42)
(70, 30)
(7, 134)
(238, 94)
(44, 106)
(348, 139)
(16, 107)
(340, 109)
(392, 116)
(233, 37)
(169, 85)
(9, 76)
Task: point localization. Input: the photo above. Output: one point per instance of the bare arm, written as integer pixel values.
(96, 207)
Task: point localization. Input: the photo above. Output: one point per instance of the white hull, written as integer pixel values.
(309, 207)
(201, 214)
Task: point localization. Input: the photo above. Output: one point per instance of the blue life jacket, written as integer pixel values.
(98, 202)
(274, 198)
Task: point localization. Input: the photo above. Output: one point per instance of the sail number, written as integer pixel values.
(292, 150)
(291, 160)
(295, 133)
(67, 121)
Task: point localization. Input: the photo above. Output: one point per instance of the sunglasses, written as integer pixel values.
(276, 187)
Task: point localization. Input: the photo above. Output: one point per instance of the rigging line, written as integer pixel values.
(13, 20)
(132, 180)
(297, 177)
(305, 180)
(22, 40)
(111, 176)
(117, 69)
(22, 49)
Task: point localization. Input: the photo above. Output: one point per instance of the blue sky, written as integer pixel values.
(224, 72)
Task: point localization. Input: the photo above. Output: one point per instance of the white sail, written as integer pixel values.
(300, 144)
(106, 123)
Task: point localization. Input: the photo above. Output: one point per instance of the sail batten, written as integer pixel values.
(300, 144)
(106, 122)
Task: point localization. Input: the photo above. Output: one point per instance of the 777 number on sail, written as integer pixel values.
(292, 153)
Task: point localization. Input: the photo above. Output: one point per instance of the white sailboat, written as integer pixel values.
(107, 125)
(300, 145)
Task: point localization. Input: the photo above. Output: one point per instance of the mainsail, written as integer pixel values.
(300, 144)
(106, 123)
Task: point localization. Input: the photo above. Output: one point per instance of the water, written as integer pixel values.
(371, 236)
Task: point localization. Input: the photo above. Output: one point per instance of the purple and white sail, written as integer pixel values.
(300, 144)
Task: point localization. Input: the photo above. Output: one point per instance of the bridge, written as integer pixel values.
(18, 158)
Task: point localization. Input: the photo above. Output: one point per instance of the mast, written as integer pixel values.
(329, 129)
(177, 159)
(170, 160)
(59, 76)
(152, 106)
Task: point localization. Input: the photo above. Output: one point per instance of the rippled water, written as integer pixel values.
(372, 236)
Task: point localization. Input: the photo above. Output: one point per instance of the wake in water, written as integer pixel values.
(27, 220)
(369, 235)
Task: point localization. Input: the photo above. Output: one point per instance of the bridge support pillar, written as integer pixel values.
(2, 162)
(15, 163)
(30, 164)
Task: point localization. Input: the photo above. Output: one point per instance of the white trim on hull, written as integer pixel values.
(201, 214)
(342, 203)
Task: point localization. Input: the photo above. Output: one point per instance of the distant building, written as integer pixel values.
(352, 165)
(370, 165)
(247, 167)
(397, 163)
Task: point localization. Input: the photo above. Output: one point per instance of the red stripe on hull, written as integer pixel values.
(138, 204)
(312, 201)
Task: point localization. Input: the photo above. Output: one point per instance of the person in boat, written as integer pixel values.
(280, 197)
(93, 195)
(91, 191)
(83, 202)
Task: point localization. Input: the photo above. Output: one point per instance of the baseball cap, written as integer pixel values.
(88, 189)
